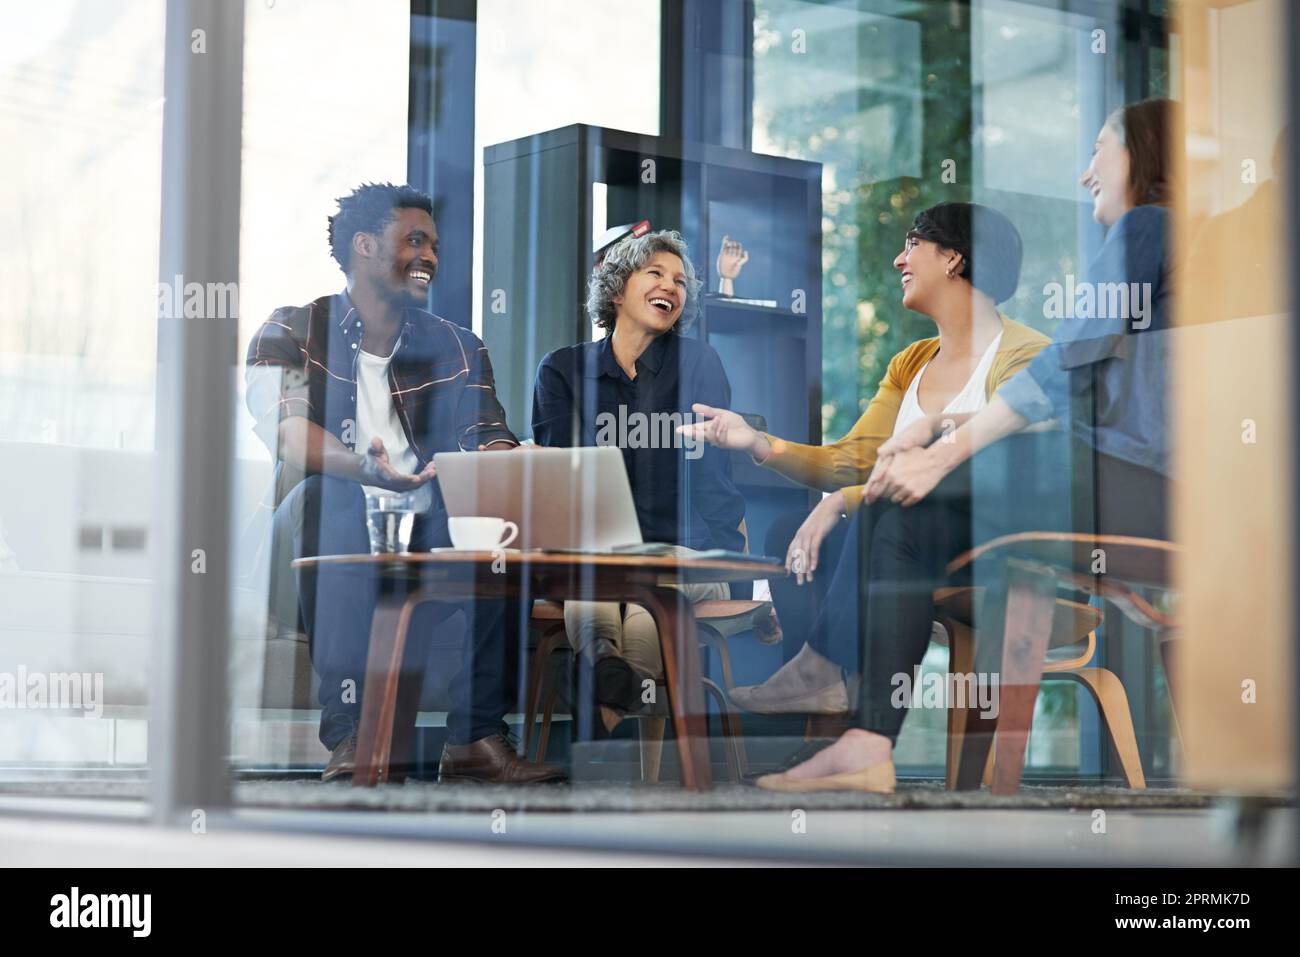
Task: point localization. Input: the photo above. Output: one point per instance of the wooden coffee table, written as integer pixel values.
(391, 695)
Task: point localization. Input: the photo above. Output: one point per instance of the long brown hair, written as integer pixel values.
(1146, 129)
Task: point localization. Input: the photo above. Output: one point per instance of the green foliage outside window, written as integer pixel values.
(857, 130)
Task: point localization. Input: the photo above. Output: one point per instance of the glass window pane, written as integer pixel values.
(909, 105)
(840, 285)
(545, 66)
(81, 100)
(312, 133)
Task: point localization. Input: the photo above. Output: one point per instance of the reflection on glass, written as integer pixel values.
(545, 541)
(81, 101)
(913, 104)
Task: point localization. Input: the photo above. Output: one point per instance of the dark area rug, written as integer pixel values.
(431, 797)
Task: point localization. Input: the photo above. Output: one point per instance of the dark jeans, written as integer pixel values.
(798, 606)
(881, 605)
(328, 517)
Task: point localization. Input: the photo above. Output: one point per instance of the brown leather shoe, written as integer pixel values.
(343, 760)
(492, 760)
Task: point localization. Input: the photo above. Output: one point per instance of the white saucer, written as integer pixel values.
(473, 551)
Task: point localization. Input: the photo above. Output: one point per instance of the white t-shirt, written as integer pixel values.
(971, 398)
(377, 416)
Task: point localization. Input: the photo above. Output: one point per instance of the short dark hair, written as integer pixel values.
(368, 209)
(1146, 130)
(962, 227)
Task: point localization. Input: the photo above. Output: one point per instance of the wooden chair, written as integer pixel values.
(1073, 638)
(1071, 646)
(716, 621)
(1038, 563)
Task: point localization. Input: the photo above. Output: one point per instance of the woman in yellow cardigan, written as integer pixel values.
(958, 262)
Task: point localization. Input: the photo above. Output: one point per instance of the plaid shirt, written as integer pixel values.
(303, 361)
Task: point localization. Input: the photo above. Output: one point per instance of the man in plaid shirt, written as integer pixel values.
(357, 391)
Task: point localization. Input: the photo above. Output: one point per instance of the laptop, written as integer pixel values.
(563, 500)
(574, 499)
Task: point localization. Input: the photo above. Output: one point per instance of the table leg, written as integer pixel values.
(675, 620)
(389, 698)
(401, 757)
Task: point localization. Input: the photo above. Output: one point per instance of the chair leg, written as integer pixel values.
(961, 661)
(736, 728)
(537, 678)
(732, 736)
(1108, 691)
(974, 753)
(1168, 654)
(651, 733)
(544, 737)
(712, 640)
(737, 731)
(1031, 601)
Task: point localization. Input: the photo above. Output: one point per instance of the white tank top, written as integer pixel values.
(971, 398)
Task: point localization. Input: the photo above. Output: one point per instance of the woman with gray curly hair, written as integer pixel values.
(632, 388)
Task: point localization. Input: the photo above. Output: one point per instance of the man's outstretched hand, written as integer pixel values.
(377, 469)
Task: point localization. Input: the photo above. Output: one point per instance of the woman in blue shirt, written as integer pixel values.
(1104, 468)
(633, 388)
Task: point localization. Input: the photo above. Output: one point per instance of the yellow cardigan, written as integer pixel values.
(847, 464)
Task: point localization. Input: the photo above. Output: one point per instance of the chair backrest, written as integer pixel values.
(1138, 561)
(1112, 566)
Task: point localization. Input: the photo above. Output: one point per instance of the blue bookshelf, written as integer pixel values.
(543, 196)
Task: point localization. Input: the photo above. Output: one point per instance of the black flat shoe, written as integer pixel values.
(618, 684)
(615, 683)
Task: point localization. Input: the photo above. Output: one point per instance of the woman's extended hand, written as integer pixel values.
(906, 477)
(723, 428)
(805, 548)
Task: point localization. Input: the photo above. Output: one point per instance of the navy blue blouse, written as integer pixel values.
(683, 489)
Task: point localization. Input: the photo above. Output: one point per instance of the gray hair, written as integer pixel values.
(625, 257)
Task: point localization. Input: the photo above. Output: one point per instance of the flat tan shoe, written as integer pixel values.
(807, 684)
(877, 779)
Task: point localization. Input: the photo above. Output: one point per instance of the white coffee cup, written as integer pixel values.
(480, 533)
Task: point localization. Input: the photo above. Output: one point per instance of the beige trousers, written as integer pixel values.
(629, 628)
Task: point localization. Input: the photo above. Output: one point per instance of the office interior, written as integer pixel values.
(171, 139)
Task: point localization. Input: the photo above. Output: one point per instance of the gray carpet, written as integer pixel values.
(426, 796)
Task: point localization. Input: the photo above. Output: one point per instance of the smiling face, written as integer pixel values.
(923, 270)
(1107, 178)
(654, 296)
(405, 257)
